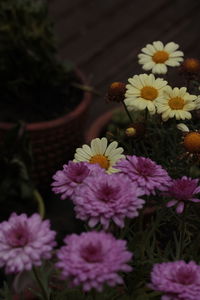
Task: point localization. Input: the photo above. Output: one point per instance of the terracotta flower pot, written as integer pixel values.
(98, 126)
(54, 142)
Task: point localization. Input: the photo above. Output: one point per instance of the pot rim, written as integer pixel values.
(97, 126)
(45, 125)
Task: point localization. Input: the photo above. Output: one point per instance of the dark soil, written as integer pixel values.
(41, 103)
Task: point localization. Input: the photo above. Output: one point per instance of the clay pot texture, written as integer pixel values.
(54, 142)
(98, 126)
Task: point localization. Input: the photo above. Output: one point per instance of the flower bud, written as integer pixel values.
(135, 130)
(191, 142)
(116, 92)
(191, 65)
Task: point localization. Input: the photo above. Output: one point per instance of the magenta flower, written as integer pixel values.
(178, 280)
(72, 175)
(146, 173)
(93, 259)
(170, 297)
(24, 242)
(181, 190)
(107, 197)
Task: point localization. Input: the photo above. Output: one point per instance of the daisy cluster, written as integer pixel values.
(145, 91)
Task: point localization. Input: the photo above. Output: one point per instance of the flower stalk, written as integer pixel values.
(42, 288)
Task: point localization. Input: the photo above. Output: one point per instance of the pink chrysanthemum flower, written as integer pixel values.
(93, 259)
(146, 173)
(181, 190)
(178, 280)
(72, 175)
(107, 197)
(171, 297)
(24, 242)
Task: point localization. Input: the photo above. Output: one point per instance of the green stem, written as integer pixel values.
(129, 115)
(182, 235)
(44, 293)
(41, 207)
(146, 114)
(93, 293)
(86, 88)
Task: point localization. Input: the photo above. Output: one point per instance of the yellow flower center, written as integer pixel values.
(176, 103)
(149, 93)
(160, 57)
(100, 159)
(131, 131)
(192, 142)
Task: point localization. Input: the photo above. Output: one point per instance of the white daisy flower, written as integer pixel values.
(143, 91)
(157, 57)
(176, 103)
(100, 153)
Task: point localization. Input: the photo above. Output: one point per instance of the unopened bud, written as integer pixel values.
(135, 130)
(116, 92)
(131, 131)
(191, 65)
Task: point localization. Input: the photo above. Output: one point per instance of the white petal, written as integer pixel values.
(182, 127)
(103, 145)
(158, 45)
(182, 91)
(151, 107)
(111, 147)
(144, 57)
(150, 48)
(176, 54)
(148, 66)
(79, 158)
(176, 91)
(172, 63)
(171, 47)
(135, 81)
(143, 79)
(159, 69)
(147, 51)
(165, 115)
(115, 153)
(95, 146)
(87, 149)
(82, 153)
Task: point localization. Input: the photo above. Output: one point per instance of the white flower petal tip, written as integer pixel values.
(182, 127)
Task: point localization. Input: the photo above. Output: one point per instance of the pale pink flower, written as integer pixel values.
(93, 259)
(73, 174)
(107, 197)
(178, 280)
(25, 242)
(181, 191)
(148, 175)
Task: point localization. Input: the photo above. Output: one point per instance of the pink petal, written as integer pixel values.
(195, 200)
(180, 208)
(171, 203)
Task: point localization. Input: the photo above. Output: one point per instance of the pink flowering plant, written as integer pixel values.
(136, 192)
